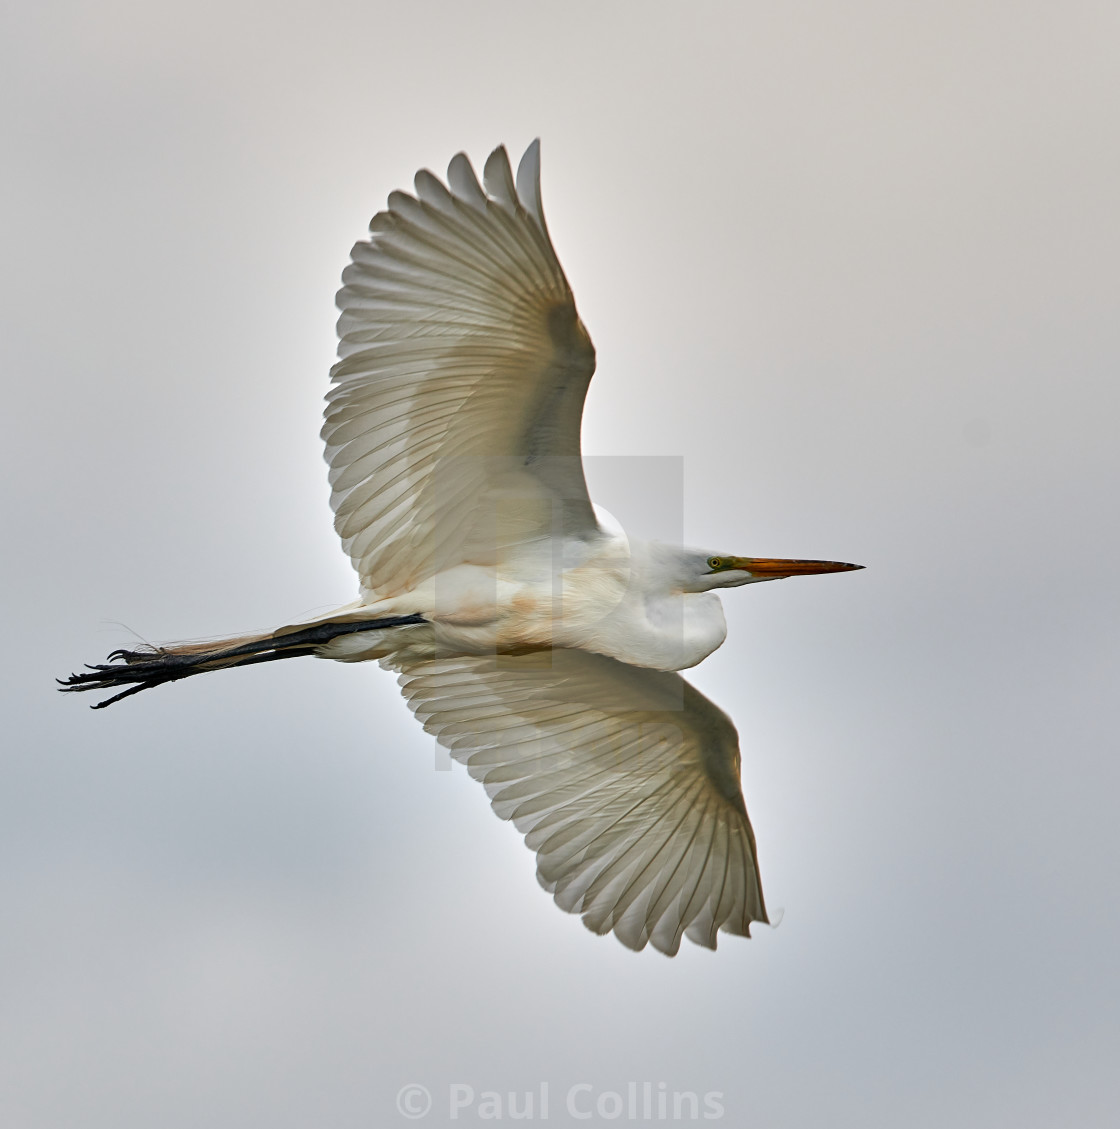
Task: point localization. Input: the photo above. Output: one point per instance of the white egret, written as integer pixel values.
(539, 647)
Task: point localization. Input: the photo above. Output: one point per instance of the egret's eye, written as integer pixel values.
(715, 563)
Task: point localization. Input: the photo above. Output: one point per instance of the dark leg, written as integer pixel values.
(141, 670)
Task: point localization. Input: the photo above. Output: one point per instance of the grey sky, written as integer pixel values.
(857, 265)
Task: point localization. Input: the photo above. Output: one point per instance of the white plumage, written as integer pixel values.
(624, 780)
(539, 647)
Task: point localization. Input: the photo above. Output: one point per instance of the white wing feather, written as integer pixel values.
(460, 386)
(623, 780)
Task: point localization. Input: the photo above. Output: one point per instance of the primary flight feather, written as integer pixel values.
(539, 647)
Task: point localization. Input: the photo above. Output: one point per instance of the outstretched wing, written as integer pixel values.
(623, 780)
(453, 429)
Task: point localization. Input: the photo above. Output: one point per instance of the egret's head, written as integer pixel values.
(719, 571)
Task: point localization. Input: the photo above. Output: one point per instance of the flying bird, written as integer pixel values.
(539, 644)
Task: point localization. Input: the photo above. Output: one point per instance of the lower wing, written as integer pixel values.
(623, 780)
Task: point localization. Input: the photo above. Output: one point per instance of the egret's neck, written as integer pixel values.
(653, 622)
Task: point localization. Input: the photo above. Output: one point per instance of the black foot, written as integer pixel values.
(136, 671)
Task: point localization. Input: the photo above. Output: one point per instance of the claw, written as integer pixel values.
(123, 694)
(132, 656)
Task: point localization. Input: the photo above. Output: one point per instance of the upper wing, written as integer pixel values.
(454, 425)
(624, 780)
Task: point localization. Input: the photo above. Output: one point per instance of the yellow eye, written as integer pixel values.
(715, 563)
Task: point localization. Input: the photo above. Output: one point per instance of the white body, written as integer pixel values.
(544, 654)
(615, 602)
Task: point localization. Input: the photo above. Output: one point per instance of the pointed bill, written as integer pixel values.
(775, 568)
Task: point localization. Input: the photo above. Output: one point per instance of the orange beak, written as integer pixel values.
(773, 568)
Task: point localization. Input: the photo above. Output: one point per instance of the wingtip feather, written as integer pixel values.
(498, 178)
(529, 182)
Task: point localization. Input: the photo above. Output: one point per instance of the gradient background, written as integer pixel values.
(857, 264)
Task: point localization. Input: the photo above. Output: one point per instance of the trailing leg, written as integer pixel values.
(153, 666)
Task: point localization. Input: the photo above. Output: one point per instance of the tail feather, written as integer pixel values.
(151, 666)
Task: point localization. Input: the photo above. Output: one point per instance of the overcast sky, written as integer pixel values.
(856, 265)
